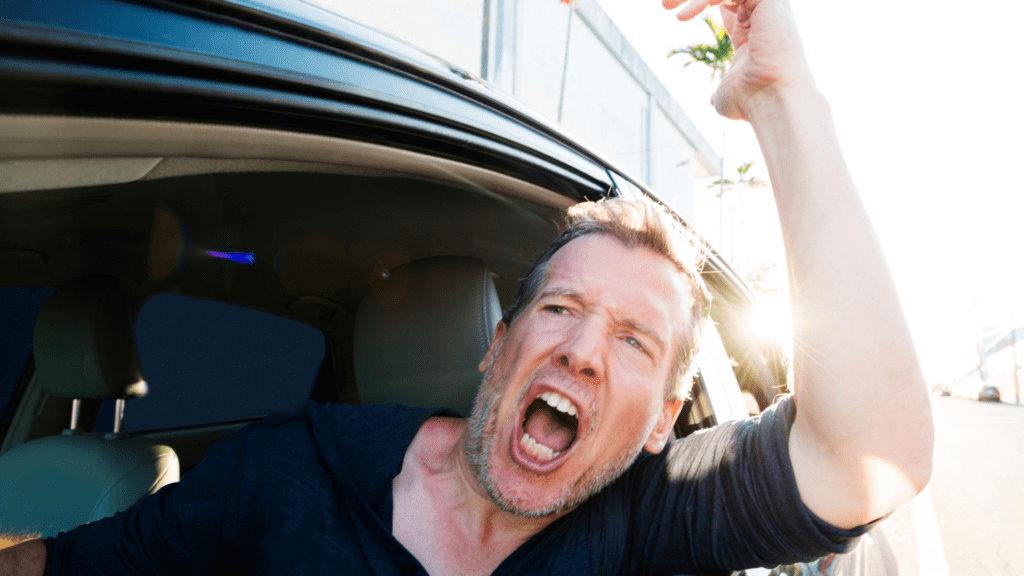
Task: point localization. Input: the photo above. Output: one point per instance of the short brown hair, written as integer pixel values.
(644, 224)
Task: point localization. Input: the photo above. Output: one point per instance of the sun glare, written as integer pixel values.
(772, 320)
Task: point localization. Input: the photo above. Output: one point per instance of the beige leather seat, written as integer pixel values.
(421, 333)
(83, 348)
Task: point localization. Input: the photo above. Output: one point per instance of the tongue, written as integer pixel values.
(544, 429)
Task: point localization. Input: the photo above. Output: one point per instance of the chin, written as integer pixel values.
(523, 494)
(516, 490)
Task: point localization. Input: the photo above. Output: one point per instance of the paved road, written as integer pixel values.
(976, 496)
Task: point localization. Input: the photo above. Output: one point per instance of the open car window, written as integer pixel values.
(719, 380)
(207, 361)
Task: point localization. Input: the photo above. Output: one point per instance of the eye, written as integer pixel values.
(635, 343)
(556, 309)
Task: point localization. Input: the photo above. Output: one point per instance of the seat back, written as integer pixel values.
(83, 348)
(421, 332)
(53, 484)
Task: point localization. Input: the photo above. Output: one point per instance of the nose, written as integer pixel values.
(582, 350)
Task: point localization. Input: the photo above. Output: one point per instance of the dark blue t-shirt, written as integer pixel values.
(310, 493)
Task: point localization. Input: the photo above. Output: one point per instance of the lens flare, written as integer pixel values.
(772, 320)
(240, 257)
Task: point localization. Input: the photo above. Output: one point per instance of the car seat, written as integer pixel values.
(83, 348)
(421, 332)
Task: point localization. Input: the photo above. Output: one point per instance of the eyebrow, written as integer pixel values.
(626, 322)
(561, 292)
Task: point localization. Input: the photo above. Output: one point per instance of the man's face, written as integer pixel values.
(598, 343)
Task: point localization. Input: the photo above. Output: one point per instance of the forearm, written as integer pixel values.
(863, 413)
(25, 559)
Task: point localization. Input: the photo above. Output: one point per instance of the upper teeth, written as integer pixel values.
(559, 402)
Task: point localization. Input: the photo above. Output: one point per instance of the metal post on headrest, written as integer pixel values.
(76, 409)
(118, 414)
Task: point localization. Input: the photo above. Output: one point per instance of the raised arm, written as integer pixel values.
(861, 444)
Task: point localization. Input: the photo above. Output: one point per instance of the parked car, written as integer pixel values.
(987, 393)
(200, 200)
(976, 389)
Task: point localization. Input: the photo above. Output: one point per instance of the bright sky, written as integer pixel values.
(926, 98)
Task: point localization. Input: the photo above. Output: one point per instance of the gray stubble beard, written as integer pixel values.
(479, 442)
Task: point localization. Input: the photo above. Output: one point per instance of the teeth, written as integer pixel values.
(551, 398)
(559, 402)
(536, 449)
(564, 405)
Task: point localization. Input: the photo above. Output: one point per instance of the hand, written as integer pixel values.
(769, 58)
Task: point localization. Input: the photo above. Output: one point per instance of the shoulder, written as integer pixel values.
(702, 460)
(316, 418)
(333, 430)
(390, 423)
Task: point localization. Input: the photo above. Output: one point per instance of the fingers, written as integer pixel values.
(671, 4)
(738, 35)
(728, 19)
(691, 8)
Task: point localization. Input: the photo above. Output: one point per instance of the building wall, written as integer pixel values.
(612, 102)
(674, 164)
(602, 104)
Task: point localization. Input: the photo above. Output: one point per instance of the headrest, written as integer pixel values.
(421, 333)
(83, 343)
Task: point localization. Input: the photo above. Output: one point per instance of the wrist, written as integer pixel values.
(796, 98)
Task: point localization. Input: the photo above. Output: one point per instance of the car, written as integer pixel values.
(976, 389)
(214, 211)
(988, 393)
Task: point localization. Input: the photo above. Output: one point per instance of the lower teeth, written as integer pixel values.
(536, 449)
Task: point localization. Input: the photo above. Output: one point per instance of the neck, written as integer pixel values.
(441, 466)
(437, 488)
(487, 515)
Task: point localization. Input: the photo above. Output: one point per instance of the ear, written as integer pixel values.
(499, 334)
(659, 436)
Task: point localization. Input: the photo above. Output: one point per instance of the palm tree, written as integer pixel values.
(743, 180)
(716, 56)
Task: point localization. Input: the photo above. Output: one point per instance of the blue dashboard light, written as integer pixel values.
(240, 257)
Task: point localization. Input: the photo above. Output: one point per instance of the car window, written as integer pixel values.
(207, 362)
(19, 307)
(719, 380)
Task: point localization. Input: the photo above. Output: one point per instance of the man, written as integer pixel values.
(580, 377)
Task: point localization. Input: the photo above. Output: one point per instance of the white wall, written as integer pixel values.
(674, 162)
(604, 106)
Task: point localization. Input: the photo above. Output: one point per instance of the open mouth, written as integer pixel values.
(550, 424)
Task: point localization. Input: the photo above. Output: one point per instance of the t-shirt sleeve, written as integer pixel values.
(724, 499)
(184, 528)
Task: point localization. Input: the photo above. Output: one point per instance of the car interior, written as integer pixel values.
(178, 281)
